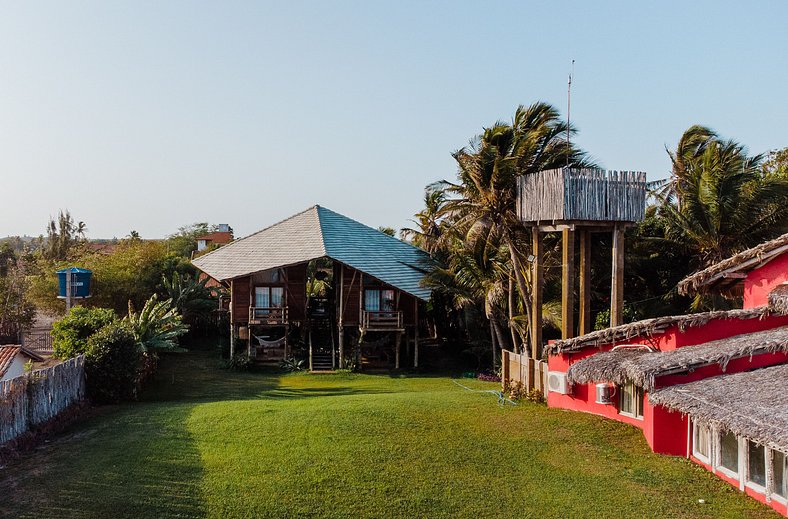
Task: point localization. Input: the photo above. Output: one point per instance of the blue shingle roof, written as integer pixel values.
(319, 232)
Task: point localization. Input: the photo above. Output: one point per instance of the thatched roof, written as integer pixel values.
(650, 327)
(753, 404)
(729, 271)
(642, 367)
(778, 299)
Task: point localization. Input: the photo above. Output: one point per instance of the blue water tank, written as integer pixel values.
(80, 282)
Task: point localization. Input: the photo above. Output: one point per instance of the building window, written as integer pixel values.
(729, 452)
(701, 442)
(630, 400)
(779, 468)
(756, 473)
(269, 297)
(376, 300)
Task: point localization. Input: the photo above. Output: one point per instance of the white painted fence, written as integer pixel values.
(33, 398)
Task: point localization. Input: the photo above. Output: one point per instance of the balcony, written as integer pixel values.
(272, 315)
(382, 320)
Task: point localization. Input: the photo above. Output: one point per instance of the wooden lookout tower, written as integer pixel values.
(578, 201)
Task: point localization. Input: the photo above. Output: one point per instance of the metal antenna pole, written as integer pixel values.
(568, 111)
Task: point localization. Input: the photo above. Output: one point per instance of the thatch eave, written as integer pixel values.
(649, 327)
(644, 367)
(730, 270)
(752, 404)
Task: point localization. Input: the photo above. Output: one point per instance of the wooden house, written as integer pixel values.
(345, 291)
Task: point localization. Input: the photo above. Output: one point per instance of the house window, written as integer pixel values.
(630, 400)
(701, 442)
(779, 468)
(376, 300)
(729, 452)
(756, 465)
(268, 297)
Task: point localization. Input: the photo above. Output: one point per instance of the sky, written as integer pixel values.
(151, 115)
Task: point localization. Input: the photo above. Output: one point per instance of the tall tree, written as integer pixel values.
(721, 200)
(483, 201)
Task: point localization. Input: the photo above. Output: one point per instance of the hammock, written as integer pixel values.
(269, 344)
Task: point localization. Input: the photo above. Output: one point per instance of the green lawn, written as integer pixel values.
(207, 442)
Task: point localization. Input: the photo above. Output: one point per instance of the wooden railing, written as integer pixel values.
(268, 315)
(387, 319)
(40, 343)
(581, 195)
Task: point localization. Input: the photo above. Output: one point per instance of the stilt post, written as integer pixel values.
(537, 279)
(585, 282)
(568, 284)
(617, 285)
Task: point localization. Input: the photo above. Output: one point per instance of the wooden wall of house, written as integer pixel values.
(407, 303)
(350, 293)
(296, 291)
(240, 299)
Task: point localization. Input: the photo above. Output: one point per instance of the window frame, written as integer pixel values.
(718, 451)
(637, 398)
(381, 299)
(705, 458)
(761, 489)
(270, 289)
(771, 484)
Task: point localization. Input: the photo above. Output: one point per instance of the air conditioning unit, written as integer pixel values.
(558, 383)
(604, 393)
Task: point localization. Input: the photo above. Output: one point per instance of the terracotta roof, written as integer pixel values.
(7, 356)
(727, 272)
(217, 237)
(316, 233)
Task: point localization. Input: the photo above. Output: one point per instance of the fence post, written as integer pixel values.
(504, 369)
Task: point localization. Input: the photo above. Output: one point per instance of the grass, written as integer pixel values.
(210, 443)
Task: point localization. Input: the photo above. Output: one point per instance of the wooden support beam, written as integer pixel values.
(537, 280)
(310, 349)
(399, 346)
(232, 323)
(568, 284)
(585, 283)
(340, 324)
(617, 285)
(416, 336)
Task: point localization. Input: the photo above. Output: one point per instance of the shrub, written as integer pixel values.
(157, 326)
(113, 362)
(240, 362)
(70, 334)
(292, 364)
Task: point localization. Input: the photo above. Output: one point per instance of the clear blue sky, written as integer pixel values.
(149, 115)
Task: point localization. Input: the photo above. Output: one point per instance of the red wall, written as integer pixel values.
(780, 508)
(761, 281)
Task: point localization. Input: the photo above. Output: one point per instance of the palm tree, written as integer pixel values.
(721, 201)
(429, 231)
(483, 202)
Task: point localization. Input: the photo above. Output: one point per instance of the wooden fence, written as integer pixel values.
(33, 398)
(521, 368)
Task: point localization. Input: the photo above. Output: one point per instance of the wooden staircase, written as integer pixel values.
(321, 362)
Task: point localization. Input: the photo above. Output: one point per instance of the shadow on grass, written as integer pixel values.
(137, 461)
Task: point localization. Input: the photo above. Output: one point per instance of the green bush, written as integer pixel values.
(70, 335)
(113, 362)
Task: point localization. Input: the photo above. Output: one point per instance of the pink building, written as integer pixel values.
(708, 386)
